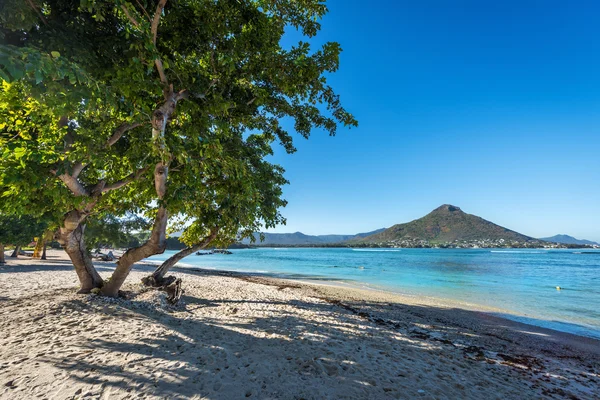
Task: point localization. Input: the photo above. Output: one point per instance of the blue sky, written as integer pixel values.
(490, 106)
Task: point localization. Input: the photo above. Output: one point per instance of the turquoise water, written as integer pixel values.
(520, 282)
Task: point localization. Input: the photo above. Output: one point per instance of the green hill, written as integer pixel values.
(445, 224)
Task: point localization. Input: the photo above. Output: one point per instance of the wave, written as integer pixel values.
(375, 250)
(179, 264)
(187, 265)
(518, 252)
(154, 262)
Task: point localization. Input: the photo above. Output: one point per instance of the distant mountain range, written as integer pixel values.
(566, 239)
(446, 224)
(299, 238)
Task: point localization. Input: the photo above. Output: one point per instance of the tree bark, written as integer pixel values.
(70, 236)
(39, 246)
(15, 253)
(156, 244)
(48, 235)
(174, 291)
(2, 260)
(158, 277)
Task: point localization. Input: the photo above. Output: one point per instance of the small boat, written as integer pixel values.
(222, 251)
(215, 251)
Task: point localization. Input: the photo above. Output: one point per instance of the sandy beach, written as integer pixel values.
(238, 337)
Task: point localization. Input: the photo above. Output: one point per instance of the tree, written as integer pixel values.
(116, 106)
(18, 231)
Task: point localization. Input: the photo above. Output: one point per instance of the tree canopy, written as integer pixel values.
(149, 106)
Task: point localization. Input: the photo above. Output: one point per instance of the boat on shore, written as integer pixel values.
(214, 251)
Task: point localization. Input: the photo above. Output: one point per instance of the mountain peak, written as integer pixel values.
(445, 224)
(447, 208)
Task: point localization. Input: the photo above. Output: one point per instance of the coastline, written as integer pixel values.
(339, 292)
(444, 302)
(337, 288)
(273, 337)
(523, 314)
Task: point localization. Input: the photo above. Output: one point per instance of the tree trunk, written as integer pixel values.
(174, 291)
(156, 244)
(15, 253)
(48, 235)
(2, 260)
(70, 236)
(39, 246)
(158, 277)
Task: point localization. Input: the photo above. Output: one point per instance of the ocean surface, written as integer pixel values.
(520, 283)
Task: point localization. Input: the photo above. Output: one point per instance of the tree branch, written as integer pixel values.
(77, 168)
(158, 277)
(97, 189)
(182, 95)
(129, 16)
(128, 179)
(160, 179)
(156, 244)
(161, 73)
(143, 9)
(121, 129)
(72, 184)
(156, 20)
(157, 61)
(212, 59)
(35, 8)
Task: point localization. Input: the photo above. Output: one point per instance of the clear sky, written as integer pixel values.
(493, 106)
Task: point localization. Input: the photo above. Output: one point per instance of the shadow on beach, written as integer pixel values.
(254, 336)
(322, 349)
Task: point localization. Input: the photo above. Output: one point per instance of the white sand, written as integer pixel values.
(236, 337)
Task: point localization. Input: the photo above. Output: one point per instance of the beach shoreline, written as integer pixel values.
(278, 338)
(339, 292)
(554, 290)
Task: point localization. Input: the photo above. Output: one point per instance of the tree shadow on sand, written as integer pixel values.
(48, 265)
(302, 349)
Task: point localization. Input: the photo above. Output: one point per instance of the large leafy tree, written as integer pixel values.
(162, 107)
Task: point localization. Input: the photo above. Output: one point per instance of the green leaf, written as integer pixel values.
(38, 76)
(19, 152)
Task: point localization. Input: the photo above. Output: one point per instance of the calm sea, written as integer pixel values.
(520, 282)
